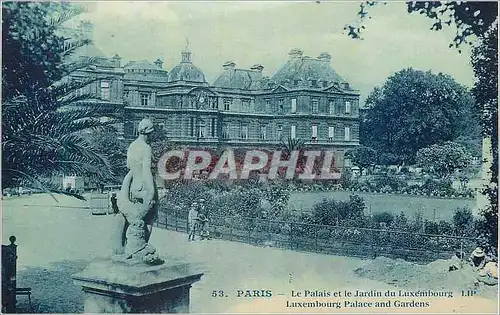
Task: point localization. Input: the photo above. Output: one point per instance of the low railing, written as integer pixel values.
(327, 239)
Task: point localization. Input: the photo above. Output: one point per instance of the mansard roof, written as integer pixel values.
(239, 79)
(301, 70)
(141, 65)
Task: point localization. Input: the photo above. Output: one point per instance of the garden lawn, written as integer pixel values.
(431, 208)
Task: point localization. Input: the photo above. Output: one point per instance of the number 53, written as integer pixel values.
(219, 293)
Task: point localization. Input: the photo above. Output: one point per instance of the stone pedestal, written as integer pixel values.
(117, 287)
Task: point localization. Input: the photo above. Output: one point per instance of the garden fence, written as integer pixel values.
(326, 239)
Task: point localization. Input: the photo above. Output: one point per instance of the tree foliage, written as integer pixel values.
(472, 19)
(33, 51)
(43, 119)
(444, 159)
(362, 157)
(416, 109)
(485, 64)
(107, 142)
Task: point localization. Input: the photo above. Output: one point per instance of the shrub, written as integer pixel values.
(438, 187)
(383, 217)
(395, 183)
(445, 228)
(431, 227)
(346, 179)
(278, 195)
(463, 222)
(331, 212)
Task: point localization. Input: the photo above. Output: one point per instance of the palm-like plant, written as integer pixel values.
(44, 120)
(292, 144)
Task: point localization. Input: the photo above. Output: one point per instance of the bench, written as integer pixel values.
(9, 288)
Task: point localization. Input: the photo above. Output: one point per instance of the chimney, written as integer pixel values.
(116, 61)
(229, 65)
(325, 57)
(295, 53)
(159, 63)
(257, 68)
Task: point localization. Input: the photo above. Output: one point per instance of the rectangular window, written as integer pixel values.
(292, 131)
(331, 133)
(136, 129)
(279, 133)
(213, 127)
(145, 99)
(191, 127)
(245, 104)
(213, 102)
(244, 132)
(294, 105)
(315, 105)
(201, 130)
(280, 105)
(105, 90)
(225, 131)
(314, 132)
(263, 132)
(331, 106)
(227, 103)
(347, 133)
(348, 108)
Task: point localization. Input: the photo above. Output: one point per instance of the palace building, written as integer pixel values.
(305, 99)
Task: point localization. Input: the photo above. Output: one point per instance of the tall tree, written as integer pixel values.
(42, 130)
(416, 109)
(362, 156)
(485, 64)
(473, 20)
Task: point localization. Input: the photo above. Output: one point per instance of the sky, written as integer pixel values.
(252, 32)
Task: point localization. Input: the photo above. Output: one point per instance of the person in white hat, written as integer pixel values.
(478, 258)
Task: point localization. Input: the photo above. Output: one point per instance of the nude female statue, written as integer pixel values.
(138, 200)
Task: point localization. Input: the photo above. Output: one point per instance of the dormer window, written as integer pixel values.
(325, 84)
(296, 82)
(314, 83)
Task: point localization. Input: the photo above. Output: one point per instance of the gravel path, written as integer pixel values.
(54, 243)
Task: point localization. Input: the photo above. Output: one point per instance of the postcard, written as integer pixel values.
(250, 157)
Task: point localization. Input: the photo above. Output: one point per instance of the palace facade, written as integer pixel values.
(305, 99)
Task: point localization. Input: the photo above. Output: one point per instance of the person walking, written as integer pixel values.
(192, 221)
(203, 220)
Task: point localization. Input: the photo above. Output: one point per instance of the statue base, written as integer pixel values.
(112, 286)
